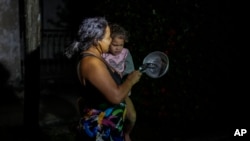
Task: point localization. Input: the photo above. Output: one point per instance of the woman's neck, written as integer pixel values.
(94, 51)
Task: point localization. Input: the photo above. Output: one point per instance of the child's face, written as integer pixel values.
(116, 46)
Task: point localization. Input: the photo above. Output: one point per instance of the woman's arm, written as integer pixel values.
(94, 70)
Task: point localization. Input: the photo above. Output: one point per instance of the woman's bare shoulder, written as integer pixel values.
(91, 63)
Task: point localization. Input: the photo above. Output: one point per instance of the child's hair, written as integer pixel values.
(119, 31)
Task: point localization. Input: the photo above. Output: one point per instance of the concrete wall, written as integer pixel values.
(50, 14)
(10, 48)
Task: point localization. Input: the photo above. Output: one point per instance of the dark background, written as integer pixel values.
(199, 97)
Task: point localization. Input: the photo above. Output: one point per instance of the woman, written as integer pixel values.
(104, 92)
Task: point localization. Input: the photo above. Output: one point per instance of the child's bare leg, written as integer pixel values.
(130, 118)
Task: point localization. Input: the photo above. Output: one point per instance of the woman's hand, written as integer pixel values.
(134, 76)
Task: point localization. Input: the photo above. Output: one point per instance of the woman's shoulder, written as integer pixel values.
(92, 61)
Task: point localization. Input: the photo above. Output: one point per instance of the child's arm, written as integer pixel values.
(129, 64)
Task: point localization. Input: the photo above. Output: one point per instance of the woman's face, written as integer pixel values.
(116, 46)
(105, 42)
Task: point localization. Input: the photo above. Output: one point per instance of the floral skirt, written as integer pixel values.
(107, 125)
